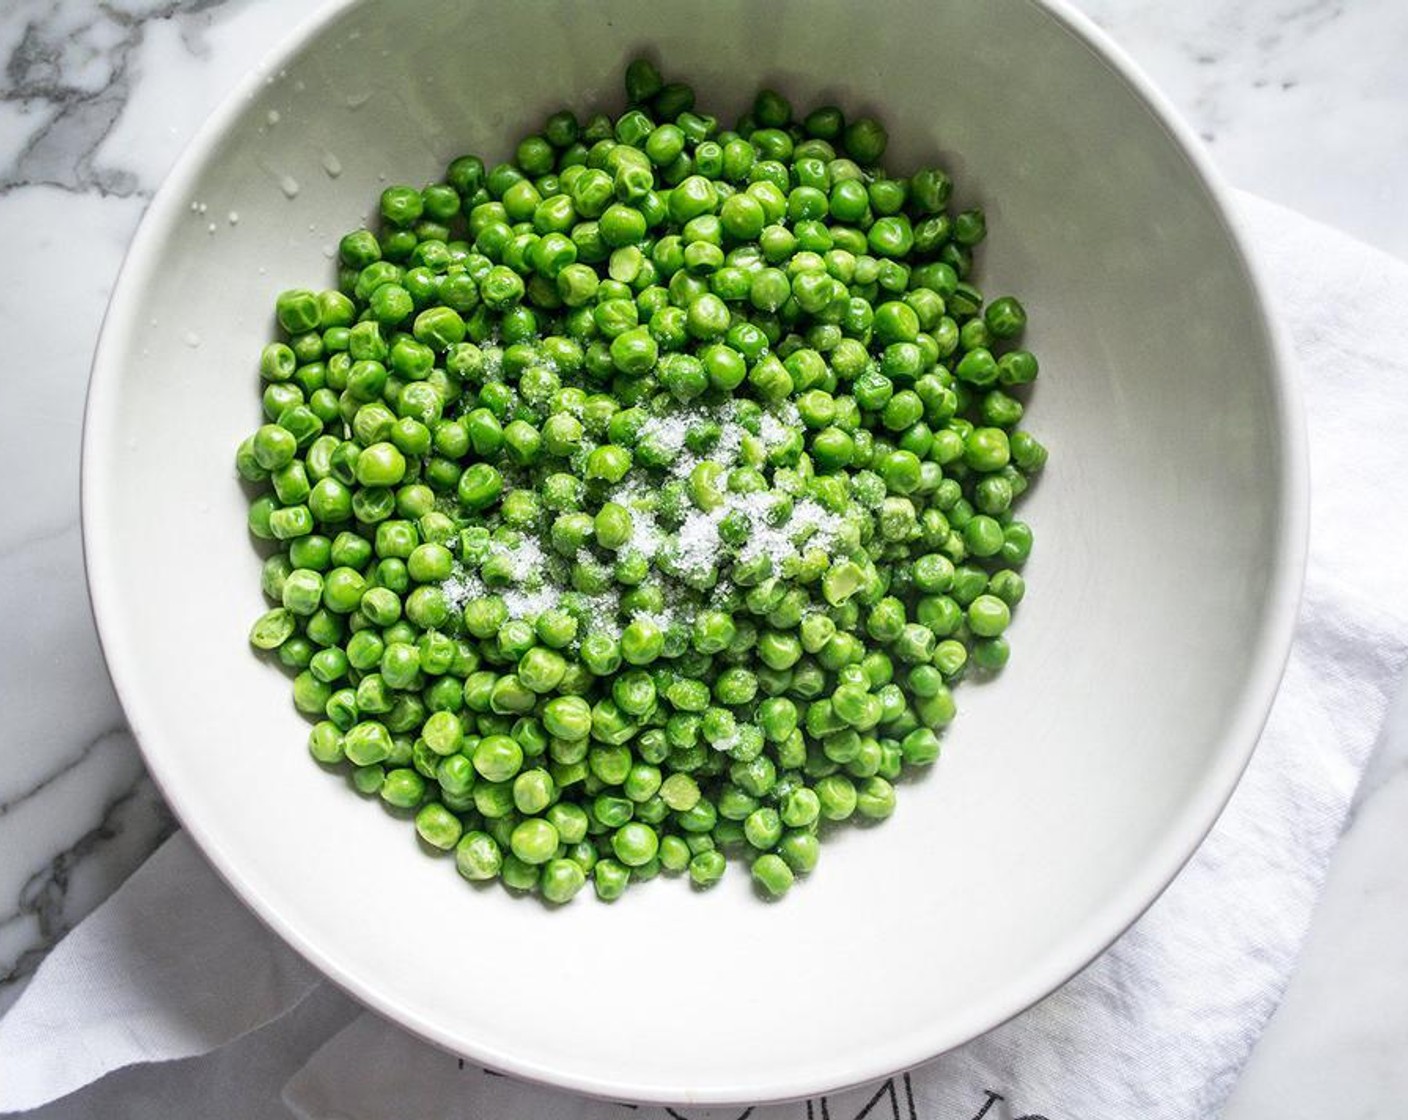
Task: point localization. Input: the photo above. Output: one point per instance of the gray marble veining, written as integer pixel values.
(77, 811)
(1304, 101)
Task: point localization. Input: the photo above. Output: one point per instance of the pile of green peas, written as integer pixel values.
(480, 376)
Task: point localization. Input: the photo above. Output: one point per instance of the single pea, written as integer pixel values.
(920, 747)
(610, 879)
(635, 843)
(533, 791)
(567, 717)
(800, 850)
(403, 788)
(497, 758)
(772, 874)
(534, 841)
(875, 798)
(608, 463)
(983, 536)
(297, 311)
(561, 879)
(988, 616)
(272, 629)
(763, 828)
(836, 797)
(707, 867)
(986, 449)
(478, 857)
(438, 826)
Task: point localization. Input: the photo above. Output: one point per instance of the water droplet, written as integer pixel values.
(289, 185)
(357, 100)
(153, 322)
(329, 251)
(272, 117)
(195, 207)
(298, 86)
(234, 217)
(332, 165)
(210, 228)
(191, 339)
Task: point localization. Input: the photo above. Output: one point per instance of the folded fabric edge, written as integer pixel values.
(34, 1073)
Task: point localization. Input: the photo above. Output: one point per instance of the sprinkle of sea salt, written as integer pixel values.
(525, 559)
(527, 604)
(540, 576)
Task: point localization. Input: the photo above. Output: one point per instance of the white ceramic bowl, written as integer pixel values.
(1169, 528)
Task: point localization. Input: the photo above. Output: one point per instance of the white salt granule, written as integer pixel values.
(530, 604)
(646, 537)
(525, 559)
(493, 361)
(668, 431)
(461, 587)
(698, 545)
(777, 424)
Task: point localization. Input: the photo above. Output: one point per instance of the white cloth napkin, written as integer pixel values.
(172, 966)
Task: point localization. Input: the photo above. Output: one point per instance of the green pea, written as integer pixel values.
(610, 879)
(707, 867)
(272, 629)
(772, 874)
(534, 841)
(403, 789)
(478, 857)
(561, 879)
(800, 850)
(497, 758)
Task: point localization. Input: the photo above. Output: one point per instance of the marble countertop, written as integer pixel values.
(1302, 101)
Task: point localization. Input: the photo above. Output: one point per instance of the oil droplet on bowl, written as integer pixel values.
(272, 116)
(234, 217)
(332, 165)
(289, 185)
(357, 100)
(210, 228)
(191, 339)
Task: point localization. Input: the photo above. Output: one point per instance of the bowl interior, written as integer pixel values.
(1072, 786)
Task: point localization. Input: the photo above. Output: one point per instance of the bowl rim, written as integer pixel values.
(1271, 648)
